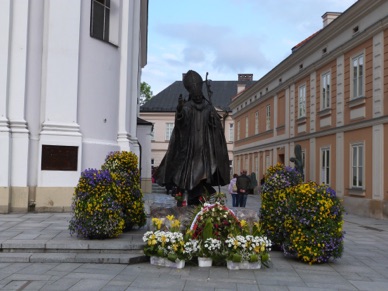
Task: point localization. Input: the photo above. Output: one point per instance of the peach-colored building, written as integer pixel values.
(331, 97)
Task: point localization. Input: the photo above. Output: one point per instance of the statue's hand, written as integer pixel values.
(180, 103)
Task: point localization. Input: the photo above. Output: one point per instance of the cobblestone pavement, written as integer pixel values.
(364, 265)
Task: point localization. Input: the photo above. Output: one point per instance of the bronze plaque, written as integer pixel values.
(59, 158)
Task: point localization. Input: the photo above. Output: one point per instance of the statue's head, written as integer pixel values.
(193, 83)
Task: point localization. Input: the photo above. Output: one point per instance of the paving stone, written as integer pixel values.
(87, 284)
(61, 284)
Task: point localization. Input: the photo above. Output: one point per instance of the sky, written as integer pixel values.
(225, 38)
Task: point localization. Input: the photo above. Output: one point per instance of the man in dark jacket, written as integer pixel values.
(243, 184)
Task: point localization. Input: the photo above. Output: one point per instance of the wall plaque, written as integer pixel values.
(59, 158)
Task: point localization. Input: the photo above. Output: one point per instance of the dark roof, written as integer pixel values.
(167, 100)
(141, 121)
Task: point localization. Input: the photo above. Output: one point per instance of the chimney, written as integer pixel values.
(242, 80)
(245, 77)
(328, 17)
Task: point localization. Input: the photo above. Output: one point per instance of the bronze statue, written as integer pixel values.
(297, 160)
(197, 156)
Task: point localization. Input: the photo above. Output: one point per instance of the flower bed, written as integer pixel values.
(213, 228)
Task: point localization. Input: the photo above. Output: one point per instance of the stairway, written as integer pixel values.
(157, 189)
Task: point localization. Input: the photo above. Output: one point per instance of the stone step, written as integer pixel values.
(128, 257)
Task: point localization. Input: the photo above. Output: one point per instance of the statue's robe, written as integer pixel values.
(197, 154)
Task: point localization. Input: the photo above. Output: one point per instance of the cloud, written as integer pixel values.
(217, 46)
(242, 36)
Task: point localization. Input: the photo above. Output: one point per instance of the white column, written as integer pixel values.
(17, 82)
(291, 109)
(339, 165)
(275, 116)
(5, 136)
(378, 74)
(287, 113)
(60, 86)
(313, 101)
(313, 161)
(340, 91)
(129, 76)
(378, 162)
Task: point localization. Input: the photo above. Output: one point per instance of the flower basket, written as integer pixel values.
(158, 261)
(245, 265)
(205, 262)
(178, 264)
(164, 262)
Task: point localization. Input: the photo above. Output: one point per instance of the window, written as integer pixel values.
(238, 130)
(246, 126)
(358, 76)
(325, 91)
(99, 19)
(325, 166)
(358, 165)
(257, 122)
(169, 128)
(302, 101)
(268, 118)
(231, 132)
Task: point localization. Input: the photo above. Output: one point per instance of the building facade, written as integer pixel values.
(331, 97)
(69, 84)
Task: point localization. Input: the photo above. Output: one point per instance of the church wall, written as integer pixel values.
(60, 88)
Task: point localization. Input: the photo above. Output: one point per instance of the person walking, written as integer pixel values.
(233, 190)
(243, 183)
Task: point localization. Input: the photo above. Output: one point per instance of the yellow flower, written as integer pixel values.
(170, 217)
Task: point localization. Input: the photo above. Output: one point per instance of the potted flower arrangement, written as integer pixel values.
(208, 250)
(166, 246)
(247, 251)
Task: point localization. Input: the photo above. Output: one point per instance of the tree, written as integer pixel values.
(145, 93)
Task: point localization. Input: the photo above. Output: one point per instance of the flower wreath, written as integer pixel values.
(221, 217)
